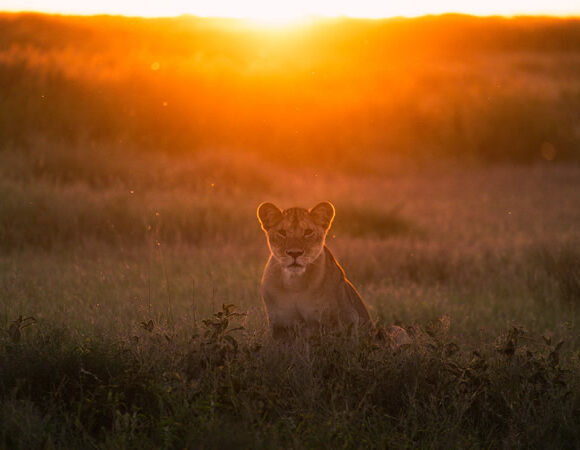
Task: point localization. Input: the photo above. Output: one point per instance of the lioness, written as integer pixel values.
(303, 286)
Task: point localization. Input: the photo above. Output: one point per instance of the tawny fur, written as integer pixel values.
(304, 289)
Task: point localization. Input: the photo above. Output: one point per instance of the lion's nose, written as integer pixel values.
(294, 252)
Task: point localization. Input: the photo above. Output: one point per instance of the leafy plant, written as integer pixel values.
(218, 339)
(15, 328)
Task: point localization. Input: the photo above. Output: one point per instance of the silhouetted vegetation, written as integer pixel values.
(172, 389)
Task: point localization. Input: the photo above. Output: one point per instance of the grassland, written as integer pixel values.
(396, 88)
(124, 237)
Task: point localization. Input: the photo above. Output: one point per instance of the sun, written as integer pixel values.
(270, 16)
(279, 13)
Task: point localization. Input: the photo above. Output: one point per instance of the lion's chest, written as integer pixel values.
(289, 308)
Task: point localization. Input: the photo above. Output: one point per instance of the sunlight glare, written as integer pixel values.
(275, 17)
(274, 13)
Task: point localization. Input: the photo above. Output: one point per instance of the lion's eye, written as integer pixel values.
(308, 232)
(282, 233)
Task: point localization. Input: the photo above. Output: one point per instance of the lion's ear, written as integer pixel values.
(322, 214)
(268, 215)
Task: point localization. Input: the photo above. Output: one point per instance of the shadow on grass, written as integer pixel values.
(217, 386)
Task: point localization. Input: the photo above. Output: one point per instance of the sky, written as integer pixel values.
(270, 10)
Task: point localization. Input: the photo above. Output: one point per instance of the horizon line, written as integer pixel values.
(297, 19)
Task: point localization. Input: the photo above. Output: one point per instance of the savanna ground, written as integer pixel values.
(127, 232)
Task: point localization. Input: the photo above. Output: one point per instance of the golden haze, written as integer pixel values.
(328, 90)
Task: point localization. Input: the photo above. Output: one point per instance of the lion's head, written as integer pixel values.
(296, 235)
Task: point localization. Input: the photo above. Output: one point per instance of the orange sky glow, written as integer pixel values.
(273, 11)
